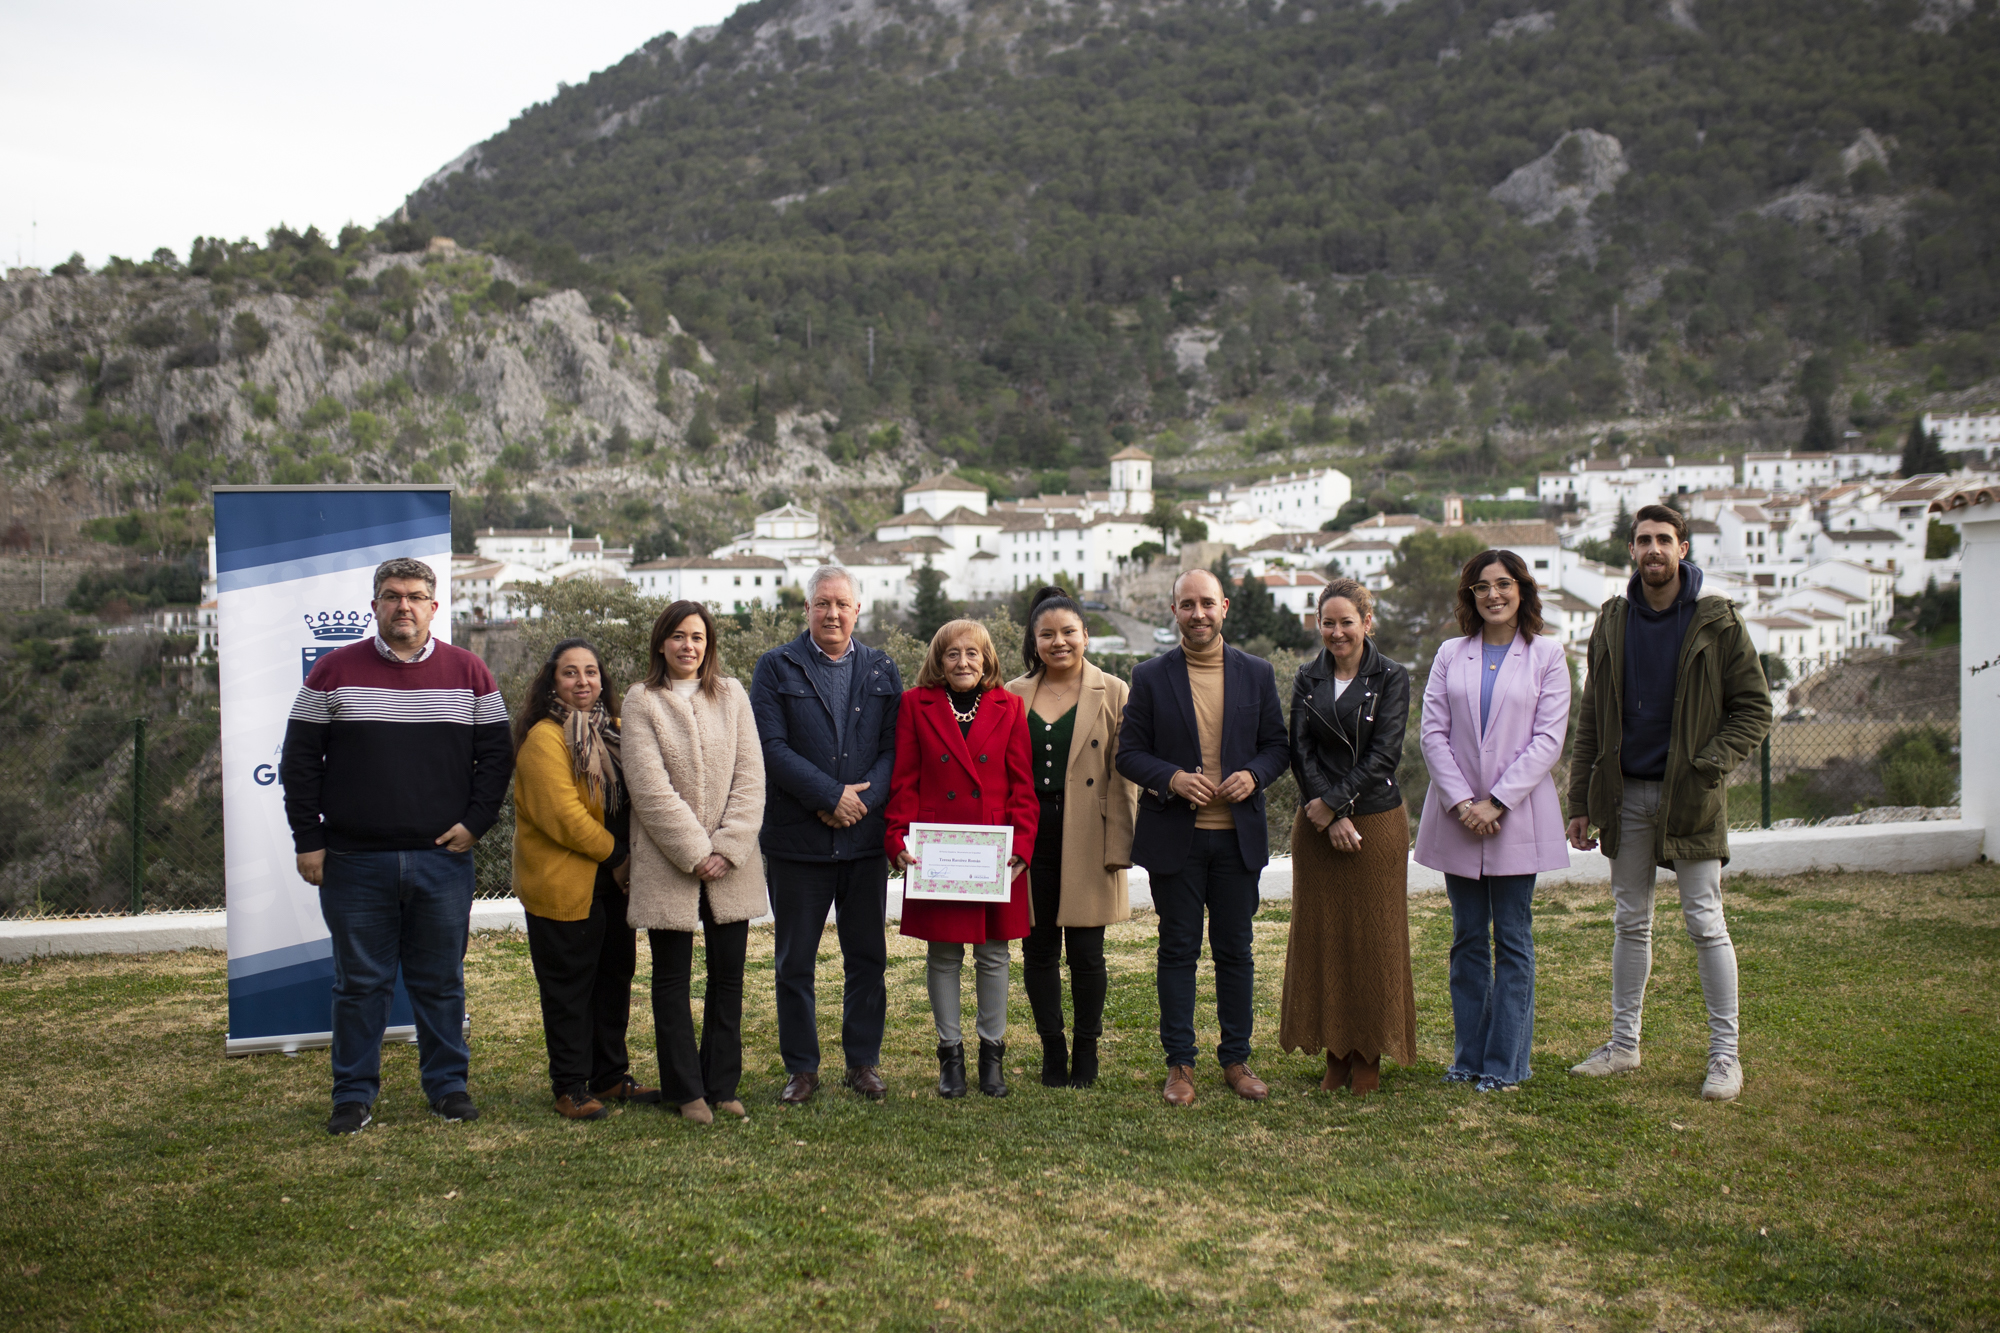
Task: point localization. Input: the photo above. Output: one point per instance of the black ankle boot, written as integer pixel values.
(1055, 1061)
(1083, 1063)
(992, 1078)
(951, 1069)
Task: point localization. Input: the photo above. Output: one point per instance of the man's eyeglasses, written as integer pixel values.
(405, 599)
(1501, 586)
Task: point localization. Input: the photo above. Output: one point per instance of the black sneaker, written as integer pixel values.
(350, 1118)
(455, 1106)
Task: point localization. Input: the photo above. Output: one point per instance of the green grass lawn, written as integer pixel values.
(149, 1182)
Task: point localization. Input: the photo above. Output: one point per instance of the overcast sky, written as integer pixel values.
(130, 124)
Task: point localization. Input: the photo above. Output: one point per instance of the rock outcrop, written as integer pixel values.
(114, 388)
(1583, 165)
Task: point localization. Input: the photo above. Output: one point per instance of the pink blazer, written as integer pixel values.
(1511, 762)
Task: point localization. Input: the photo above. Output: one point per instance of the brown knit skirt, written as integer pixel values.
(1347, 964)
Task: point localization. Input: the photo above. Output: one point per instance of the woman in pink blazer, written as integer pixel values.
(1496, 709)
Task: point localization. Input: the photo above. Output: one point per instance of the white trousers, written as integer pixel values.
(1633, 873)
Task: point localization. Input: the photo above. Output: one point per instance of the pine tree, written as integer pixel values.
(931, 609)
(1923, 453)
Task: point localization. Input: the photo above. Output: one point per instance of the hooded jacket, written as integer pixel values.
(1721, 711)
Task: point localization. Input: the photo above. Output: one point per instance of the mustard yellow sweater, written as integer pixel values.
(559, 833)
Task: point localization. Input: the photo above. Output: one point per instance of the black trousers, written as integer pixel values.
(801, 894)
(583, 970)
(1042, 951)
(713, 1069)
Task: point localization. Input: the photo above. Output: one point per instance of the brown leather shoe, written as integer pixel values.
(1339, 1073)
(627, 1089)
(1244, 1083)
(866, 1080)
(1180, 1086)
(1367, 1075)
(580, 1106)
(799, 1088)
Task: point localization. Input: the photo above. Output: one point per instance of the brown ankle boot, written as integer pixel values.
(1338, 1073)
(1367, 1074)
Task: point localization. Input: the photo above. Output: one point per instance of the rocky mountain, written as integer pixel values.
(828, 241)
(123, 390)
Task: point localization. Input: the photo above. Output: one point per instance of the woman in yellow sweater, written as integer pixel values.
(570, 870)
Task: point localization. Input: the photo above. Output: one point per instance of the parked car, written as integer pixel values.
(1168, 636)
(1091, 604)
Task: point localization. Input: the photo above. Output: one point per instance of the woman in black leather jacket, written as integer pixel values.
(1348, 988)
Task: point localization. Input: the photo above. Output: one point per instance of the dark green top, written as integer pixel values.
(1049, 742)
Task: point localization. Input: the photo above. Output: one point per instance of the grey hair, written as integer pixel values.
(402, 567)
(826, 573)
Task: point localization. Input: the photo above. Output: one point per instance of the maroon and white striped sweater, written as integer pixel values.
(385, 755)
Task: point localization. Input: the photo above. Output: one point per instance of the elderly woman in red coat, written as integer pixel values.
(962, 758)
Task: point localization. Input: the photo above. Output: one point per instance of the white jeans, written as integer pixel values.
(942, 970)
(1633, 872)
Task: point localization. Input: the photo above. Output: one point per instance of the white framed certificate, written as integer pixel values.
(959, 863)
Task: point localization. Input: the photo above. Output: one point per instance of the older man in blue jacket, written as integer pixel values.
(826, 714)
(1203, 737)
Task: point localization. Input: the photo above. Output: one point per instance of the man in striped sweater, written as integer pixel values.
(396, 760)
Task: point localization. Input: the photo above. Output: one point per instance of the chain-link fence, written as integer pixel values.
(1871, 738)
(73, 792)
(68, 808)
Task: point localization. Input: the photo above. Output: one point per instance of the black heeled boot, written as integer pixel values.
(951, 1069)
(992, 1078)
(1083, 1063)
(1055, 1061)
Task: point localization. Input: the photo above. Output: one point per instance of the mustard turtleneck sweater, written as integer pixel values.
(1205, 684)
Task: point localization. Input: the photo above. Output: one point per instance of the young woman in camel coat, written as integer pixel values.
(1083, 842)
(694, 771)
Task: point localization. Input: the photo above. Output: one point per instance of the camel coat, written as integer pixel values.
(694, 773)
(1099, 806)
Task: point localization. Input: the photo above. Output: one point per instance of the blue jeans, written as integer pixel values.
(1213, 879)
(388, 909)
(1493, 986)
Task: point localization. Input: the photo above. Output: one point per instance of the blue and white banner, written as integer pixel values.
(294, 568)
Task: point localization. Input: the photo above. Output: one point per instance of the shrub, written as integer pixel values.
(206, 352)
(1918, 768)
(325, 412)
(439, 372)
(154, 331)
(366, 429)
(248, 335)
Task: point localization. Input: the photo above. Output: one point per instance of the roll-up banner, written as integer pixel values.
(294, 569)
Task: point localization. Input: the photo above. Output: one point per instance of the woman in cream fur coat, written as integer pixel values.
(694, 774)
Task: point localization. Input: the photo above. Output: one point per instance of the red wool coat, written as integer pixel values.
(981, 777)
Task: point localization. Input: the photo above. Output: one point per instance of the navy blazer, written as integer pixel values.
(1158, 739)
(804, 771)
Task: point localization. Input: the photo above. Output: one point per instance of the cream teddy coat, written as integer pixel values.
(694, 772)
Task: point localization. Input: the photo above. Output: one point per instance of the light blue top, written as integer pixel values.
(1490, 657)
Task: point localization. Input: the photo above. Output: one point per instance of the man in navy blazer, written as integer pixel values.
(1202, 738)
(826, 705)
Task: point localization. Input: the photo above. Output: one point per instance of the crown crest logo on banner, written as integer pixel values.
(338, 624)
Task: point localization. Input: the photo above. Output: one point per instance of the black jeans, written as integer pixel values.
(1216, 880)
(1041, 952)
(713, 1070)
(583, 970)
(801, 893)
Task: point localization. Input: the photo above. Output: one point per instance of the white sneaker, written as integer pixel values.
(1725, 1079)
(1607, 1059)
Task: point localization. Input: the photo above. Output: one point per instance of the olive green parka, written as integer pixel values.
(1722, 710)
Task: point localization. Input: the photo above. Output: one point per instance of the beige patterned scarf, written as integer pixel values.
(593, 750)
